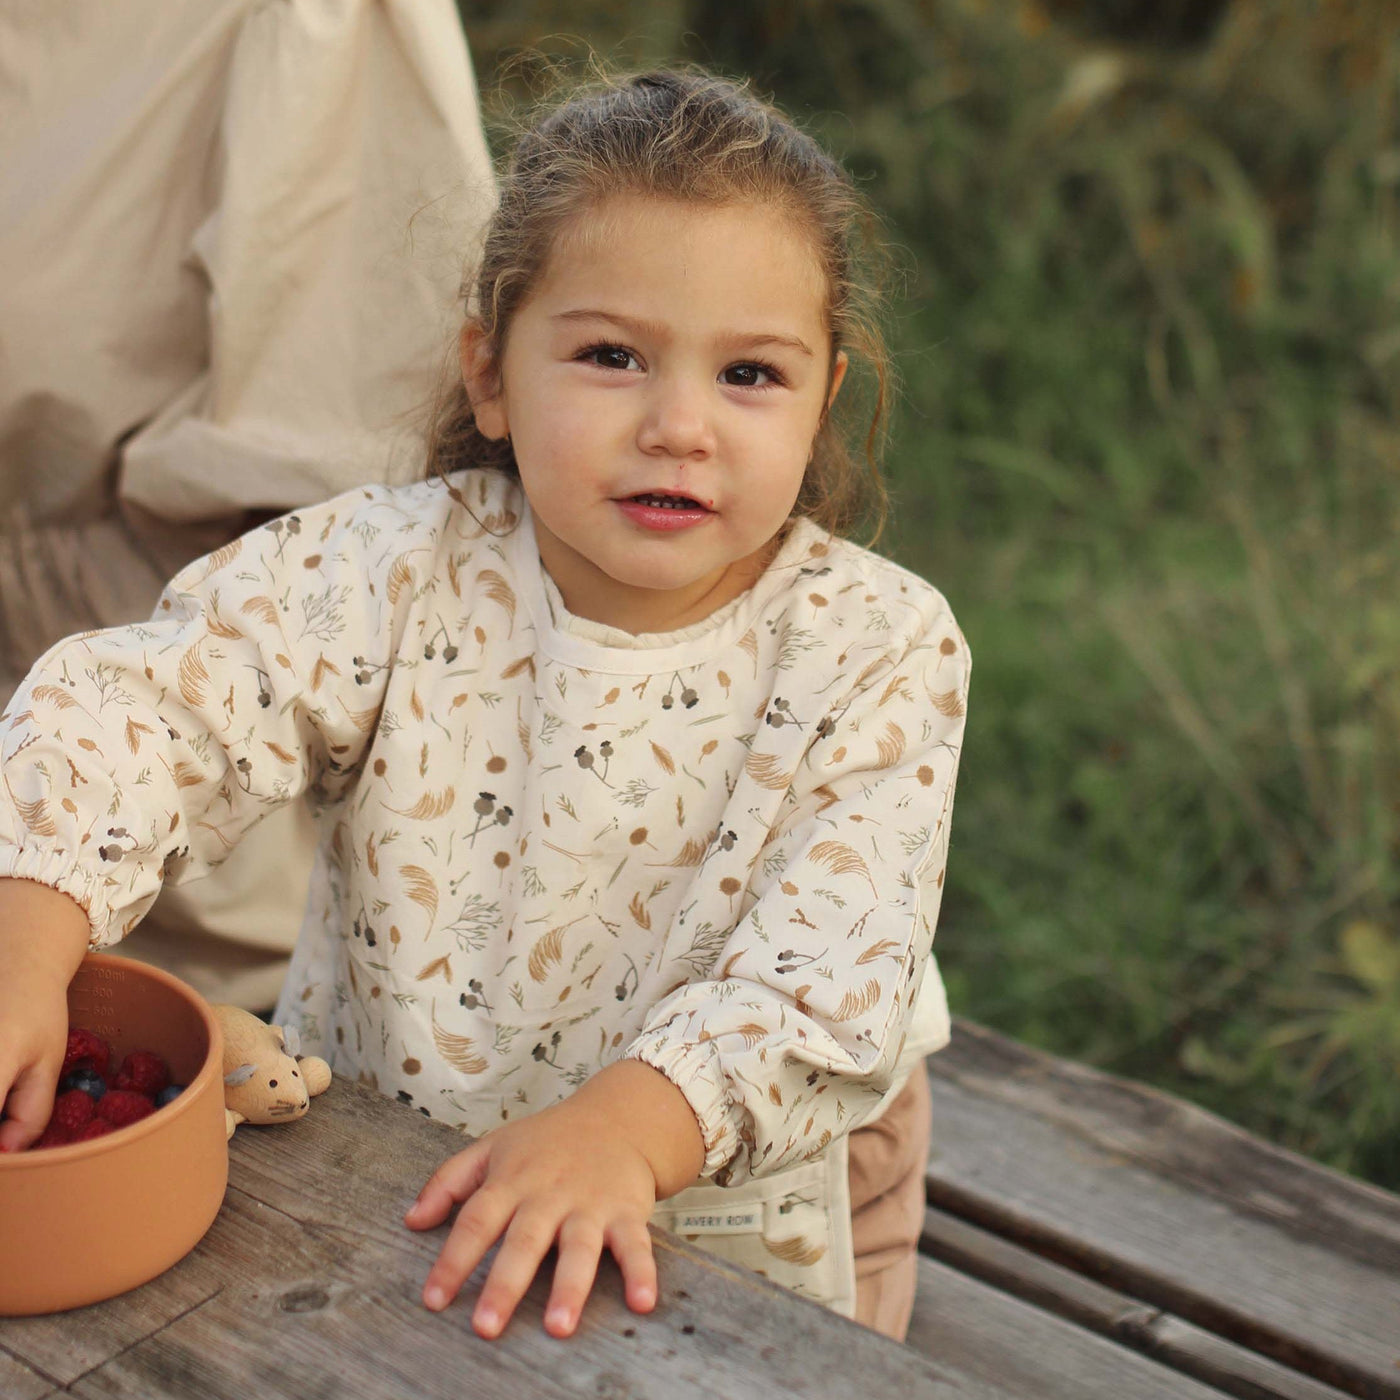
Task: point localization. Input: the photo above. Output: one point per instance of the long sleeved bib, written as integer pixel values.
(546, 844)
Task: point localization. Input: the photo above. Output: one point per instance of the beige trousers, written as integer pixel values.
(887, 1164)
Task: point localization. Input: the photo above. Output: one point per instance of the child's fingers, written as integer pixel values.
(526, 1242)
(630, 1243)
(477, 1228)
(455, 1180)
(580, 1247)
(29, 1106)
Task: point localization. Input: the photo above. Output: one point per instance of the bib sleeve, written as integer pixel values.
(143, 753)
(796, 1035)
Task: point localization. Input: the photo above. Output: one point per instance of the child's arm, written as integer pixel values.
(585, 1173)
(143, 753)
(43, 936)
(806, 1023)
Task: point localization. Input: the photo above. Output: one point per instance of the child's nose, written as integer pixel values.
(676, 422)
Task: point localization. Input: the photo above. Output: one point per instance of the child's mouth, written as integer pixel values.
(667, 502)
(657, 510)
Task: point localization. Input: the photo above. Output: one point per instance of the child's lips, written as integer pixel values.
(647, 511)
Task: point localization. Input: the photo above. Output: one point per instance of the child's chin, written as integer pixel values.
(662, 580)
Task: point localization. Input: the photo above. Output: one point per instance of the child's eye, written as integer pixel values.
(751, 374)
(609, 357)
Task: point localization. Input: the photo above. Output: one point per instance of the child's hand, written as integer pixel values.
(43, 936)
(586, 1172)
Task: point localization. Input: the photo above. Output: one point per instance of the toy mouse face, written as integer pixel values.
(264, 1079)
(268, 1089)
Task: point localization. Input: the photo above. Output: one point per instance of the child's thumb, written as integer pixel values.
(28, 1108)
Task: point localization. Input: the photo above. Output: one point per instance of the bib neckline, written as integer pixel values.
(594, 646)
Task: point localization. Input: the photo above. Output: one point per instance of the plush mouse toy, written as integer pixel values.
(265, 1080)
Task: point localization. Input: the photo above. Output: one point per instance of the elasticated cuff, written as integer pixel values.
(59, 870)
(695, 1070)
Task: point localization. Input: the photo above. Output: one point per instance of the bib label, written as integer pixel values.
(720, 1222)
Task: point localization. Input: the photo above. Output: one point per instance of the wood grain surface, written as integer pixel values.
(307, 1285)
(1171, 1206)
(987, 1340)
(18, 1382)
(1125, 1320)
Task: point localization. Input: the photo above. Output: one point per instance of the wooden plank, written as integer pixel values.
(321, 1284)
(986, 1342)
(21, 1382)
(66, 1345)
(1125, 1320)
(1171, 1205)
(361, 1334)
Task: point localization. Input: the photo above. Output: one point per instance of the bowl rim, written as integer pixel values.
(212, 1068)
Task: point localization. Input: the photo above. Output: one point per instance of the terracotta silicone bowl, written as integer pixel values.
(82, 1223)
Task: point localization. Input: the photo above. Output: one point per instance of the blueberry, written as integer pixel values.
(88, 1080)
(169, 1094)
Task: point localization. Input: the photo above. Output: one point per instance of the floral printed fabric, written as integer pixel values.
(546, 844)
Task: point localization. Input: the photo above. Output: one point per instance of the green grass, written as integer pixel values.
(1150, 448)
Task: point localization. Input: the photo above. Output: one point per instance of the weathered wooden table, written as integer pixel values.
(1086, 1239)
(307, 1285)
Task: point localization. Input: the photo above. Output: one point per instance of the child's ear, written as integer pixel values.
(838, 373)
(483, 382)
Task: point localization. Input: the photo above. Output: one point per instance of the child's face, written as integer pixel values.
(672, 350)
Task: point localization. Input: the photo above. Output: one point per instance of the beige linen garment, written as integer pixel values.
(545, 844)
(231, 238)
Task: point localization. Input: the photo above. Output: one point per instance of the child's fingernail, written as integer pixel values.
(435, 1298)
(487, 1319)
(557, 1317)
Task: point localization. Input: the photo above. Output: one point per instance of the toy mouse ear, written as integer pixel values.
(291, 1040)
(241, 1075)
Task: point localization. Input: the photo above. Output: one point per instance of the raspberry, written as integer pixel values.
(72, 1111)
(86, 1049)
(122, 1106)
(53, 1136)
(99, 1127)
(144, 1072)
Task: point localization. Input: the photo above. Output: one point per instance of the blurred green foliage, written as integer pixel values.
(1150, 448)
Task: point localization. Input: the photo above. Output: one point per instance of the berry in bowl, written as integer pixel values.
(131, 1169)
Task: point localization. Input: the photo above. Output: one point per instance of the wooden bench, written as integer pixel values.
(1082, 1226)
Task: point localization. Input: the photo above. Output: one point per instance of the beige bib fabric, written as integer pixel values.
(793, 1227)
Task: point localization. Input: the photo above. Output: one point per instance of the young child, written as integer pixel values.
(634, 778)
